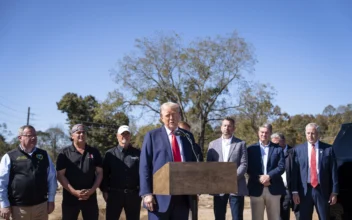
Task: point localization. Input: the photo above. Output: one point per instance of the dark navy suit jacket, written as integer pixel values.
(327, 176)
(156, 152)
(275, 168)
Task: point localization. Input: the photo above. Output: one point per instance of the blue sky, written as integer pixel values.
(50, 48)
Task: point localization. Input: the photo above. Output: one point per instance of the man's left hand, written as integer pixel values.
(333, 199)
(86, 193)
(5, 212)
(266, 184)
(51, 207)
(264, 179)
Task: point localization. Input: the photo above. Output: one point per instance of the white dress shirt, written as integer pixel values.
(283, 176)
(317, 152)
(179, 142)
(226, 144)
(265, 151)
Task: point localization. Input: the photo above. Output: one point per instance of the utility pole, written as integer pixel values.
(29, 110)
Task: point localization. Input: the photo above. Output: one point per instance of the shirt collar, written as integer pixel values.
(121, 149)
(262, 145)
(34, 149)
(226, 139)
(168, 131)
(73, 148)
(316, 144)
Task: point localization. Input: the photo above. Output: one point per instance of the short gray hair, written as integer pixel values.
(279, 135)
(314, 125)
(22, 128)
(171, 105)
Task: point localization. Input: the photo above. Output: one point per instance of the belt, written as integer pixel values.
(123, 190)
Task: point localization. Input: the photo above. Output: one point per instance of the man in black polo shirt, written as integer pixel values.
(120, 184)
(79, 170)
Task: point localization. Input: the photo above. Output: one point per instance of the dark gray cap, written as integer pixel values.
(78, 127)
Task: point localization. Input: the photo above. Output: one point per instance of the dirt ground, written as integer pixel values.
(205, 209)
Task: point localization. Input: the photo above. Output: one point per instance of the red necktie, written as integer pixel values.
(175, 149)
(313, 168)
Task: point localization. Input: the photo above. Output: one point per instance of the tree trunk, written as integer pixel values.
(54, 148)
(202, 135)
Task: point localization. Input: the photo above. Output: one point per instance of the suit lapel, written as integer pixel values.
(232, 148)
(260, 158)
(305, 159)
(166, 142)
(218, 145)
(287, 160)
(271, 149)
(186, 150)
(320, 153)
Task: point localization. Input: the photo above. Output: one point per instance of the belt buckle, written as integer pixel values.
(125, 190)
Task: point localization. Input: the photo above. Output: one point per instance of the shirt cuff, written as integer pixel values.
(148, 194)
(294, 192)
(5, 204)
(51, 198)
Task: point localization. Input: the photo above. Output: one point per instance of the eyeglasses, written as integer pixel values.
(29, 135)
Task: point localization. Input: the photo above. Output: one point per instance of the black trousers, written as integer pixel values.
(89, 208)
(118, 200)
(285, 206)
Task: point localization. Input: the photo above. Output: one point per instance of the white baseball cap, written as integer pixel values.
(123, 128)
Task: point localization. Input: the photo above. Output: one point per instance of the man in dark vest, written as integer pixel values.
(27, 180)
(79, 170)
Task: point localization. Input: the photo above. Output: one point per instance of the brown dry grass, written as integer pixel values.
(205, 209)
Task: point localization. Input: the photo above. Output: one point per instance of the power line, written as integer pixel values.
(5, 113)
(12, 109)
(30, 116)
(13, 121)
(114, 126)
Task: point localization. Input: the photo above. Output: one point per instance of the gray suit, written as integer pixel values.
(237, 154)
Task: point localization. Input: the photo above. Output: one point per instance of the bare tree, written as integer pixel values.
(203, 77)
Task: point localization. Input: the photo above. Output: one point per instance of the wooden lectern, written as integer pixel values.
(192, 178)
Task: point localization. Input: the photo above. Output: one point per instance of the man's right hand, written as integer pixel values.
(6, 212)
(149, 202)
(295, 198)
(79, 193)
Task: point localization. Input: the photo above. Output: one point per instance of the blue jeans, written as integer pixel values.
(236, 204)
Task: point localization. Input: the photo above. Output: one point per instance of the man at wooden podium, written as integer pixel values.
(161, 146)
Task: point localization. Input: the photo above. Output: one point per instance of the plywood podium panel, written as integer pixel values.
(191, 178)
